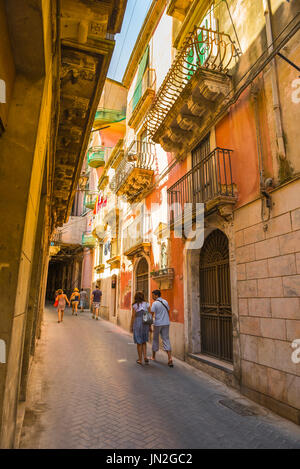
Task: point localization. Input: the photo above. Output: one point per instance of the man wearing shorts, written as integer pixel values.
(160, 311)
(96, 300)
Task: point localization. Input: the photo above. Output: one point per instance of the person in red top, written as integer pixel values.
(96, 300)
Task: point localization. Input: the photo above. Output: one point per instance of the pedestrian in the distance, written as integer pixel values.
(96, 301)
(160, 309)
(75, 297)
(83, 298)
(61, 304)
(140, 330)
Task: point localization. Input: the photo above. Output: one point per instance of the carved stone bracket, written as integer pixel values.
(222, 205)
(99, 269)
(138, 250)
(114, 262)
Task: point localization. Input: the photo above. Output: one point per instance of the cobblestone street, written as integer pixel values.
(86, 391)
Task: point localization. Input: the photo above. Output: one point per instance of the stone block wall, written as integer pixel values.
(268, 288)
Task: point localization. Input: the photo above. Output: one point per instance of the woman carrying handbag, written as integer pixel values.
(141, 325)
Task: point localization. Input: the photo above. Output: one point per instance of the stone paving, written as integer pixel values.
(86, 391)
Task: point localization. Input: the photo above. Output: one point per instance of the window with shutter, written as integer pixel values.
(139, 82)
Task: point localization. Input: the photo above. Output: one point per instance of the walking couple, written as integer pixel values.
(161, 325)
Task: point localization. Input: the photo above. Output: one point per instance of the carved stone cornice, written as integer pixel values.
(138, 250)
(85, 50)
(179, 8)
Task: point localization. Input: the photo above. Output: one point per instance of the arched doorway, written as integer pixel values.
(215, 298)
(142, 277)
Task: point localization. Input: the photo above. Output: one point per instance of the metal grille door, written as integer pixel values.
(202, 150)
(201, 178)
(215, 309)
(142, 277)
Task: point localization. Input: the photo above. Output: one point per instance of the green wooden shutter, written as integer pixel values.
(192, 58)
(138, 87)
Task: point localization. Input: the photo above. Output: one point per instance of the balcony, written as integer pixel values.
(90, 200)
(111, 215)
(164, 278)
(99, 227)
(136, 237)
(115, 259)
(98, 156)
(88, 240)
(142, 98)
(107, 116)
(209, 182)
(99, 269)
(135, 172)
(55, 244)
(70, 233)
(194, 92)
(56, 239)
(117, 154)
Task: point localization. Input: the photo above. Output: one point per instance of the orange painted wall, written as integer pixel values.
(237, 132)
(174, 296)
(112, 134)
(110, 137)
(125, 289)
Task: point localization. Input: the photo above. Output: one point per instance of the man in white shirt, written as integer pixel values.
(161, 325)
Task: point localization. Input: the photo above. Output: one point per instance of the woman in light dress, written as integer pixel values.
(140, 330)
(62, 300)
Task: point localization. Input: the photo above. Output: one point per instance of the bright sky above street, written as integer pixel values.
(135, 14)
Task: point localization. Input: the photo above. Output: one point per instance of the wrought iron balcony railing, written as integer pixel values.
(104, 115)
(88, 239)
(90, 200)
(97, 156)
(145, 88)
(98, 226)
(56, 239)
(203, 49)
(137, 233)
(208, 180)
(139, 159)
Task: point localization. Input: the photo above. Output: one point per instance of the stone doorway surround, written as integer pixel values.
(225, 372)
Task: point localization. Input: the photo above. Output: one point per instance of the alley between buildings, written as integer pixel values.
(86, 391)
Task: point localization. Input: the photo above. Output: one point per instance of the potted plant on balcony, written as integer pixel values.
(154, 273)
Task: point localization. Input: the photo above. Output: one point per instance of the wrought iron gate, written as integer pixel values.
(142, 277)
(215, 298)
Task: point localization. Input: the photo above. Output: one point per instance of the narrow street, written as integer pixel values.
(86, 391)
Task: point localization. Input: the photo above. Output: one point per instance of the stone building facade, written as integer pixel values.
(212, 117)
(54, 58)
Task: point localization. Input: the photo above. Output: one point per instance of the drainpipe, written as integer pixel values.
(258, 137)
(274, 80)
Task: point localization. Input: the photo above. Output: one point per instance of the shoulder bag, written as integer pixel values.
(147, 318)
(164, 306)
